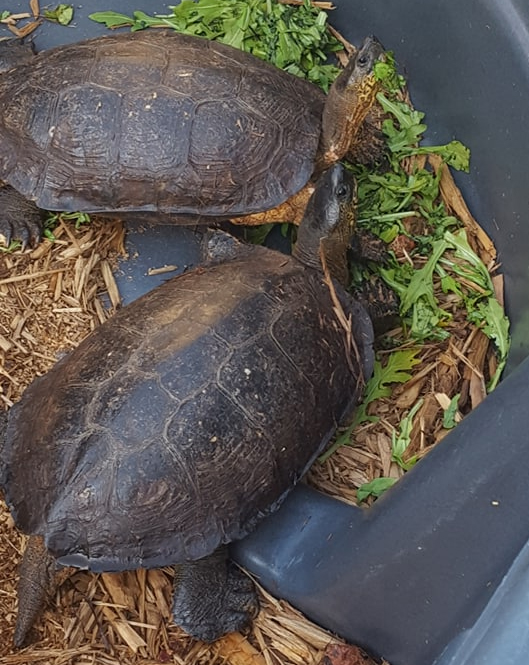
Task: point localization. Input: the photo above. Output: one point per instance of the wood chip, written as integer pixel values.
(110, 283)
(343, 654)
(236, 650)
(30, 275)
(5, 344)
(498, 284)
(25, 30)
(12, 18)
(350, 49)
(162, 270)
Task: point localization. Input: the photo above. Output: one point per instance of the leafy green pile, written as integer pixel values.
(389, 199)
(393, 201)
(294, 38)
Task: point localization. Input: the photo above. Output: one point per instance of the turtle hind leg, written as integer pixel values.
(38, 581)
(213, 597)
(20, 219)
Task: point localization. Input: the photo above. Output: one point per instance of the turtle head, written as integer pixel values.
(328, 223)
(351, 97)
(358, 77)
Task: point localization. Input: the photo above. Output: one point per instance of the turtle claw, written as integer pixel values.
(20, 219)
(213, 597)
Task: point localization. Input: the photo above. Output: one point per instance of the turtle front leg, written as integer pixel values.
(20, 219)
(38, 581)
(213, 597)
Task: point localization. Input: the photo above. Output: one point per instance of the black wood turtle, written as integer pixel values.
(180, 423)
(162, 123)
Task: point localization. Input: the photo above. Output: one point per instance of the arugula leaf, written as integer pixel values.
(62, 14)
(386, 72)
(406, 116)
(375, 488)
(415, 289)
(427, 322)
(449, 414)
(463, 250)
(256, 235)
(496, 326)
(490, 317)
(52, 219)
(455, 154)
(403, 140)
(448, 283)
(421, 285)
(482, 307)
(112, 19)
(410, 126)
(396, 370)
(401, 441)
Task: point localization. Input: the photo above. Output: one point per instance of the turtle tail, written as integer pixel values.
(38, 581)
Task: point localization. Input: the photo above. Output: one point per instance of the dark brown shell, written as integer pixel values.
(186, 418)
(156, 121)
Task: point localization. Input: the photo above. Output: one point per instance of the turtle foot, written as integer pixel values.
(20, 219)
(367, 246)
(14, 52)
(213, 597)
(380, 302)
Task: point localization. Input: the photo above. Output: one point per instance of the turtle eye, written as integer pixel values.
(362, 60)
(342, 192)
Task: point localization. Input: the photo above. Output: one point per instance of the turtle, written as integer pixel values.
(168, 126)
(180, 423)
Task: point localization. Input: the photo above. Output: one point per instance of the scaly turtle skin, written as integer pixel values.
(157, 122)
(179, 424)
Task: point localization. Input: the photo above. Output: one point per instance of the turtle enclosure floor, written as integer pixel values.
(50, 299)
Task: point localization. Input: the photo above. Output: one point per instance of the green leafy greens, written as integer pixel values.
(401, 140)
(392, 202)
(388, 198)
(62, 14)
(294, 38)
(450, 413)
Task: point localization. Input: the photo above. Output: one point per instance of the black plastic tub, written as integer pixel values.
(436, 571)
